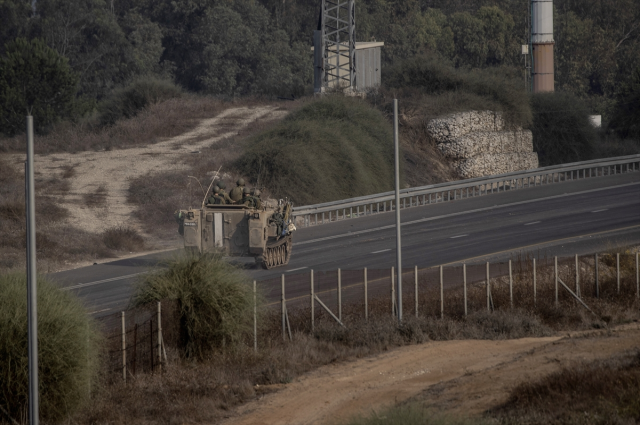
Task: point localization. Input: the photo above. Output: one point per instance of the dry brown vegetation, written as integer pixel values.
(605, 391)
(159, 121)
(188, 391)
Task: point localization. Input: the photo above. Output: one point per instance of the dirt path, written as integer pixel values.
(462, 376)
(113, 170)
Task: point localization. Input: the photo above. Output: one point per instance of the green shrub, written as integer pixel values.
(68, 347)
(214, 301)
(625, 120)
(140, 93)
(496, 88)
(332, 148)
(562, 131)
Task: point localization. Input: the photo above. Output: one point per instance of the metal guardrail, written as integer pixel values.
(311, 215)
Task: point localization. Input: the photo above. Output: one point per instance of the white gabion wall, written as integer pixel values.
(479, 145)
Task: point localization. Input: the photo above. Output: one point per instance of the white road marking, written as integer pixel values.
(533, 222)
(605, 209)
(422, 220)
(382, 250)
(299, 268)
(97, 282)
(100, 311)
(459, 236)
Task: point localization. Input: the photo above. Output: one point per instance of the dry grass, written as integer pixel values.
(159, 121)
(57, 243)
(205, 391)
(600, 392)
(98, 198)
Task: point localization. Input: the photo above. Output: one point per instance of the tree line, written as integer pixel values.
(76, 53)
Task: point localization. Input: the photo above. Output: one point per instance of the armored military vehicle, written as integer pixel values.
(240, 231)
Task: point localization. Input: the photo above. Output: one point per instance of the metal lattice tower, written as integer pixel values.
(338, 44)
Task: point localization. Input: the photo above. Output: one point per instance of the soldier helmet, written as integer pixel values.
(221, 185)
(246, 191)
(215, 189)
(257, 192)
(240, 182)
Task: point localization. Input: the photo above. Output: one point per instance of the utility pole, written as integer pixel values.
(32, 310)
(397, 185)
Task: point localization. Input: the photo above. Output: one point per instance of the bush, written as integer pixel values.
(499, 89)
(213, 298)
(34, 77)
(562, 131)
(68, 346)
(140, 93)
(332, 148)
(123, 238)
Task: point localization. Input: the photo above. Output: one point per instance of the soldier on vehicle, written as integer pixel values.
(223, 193)
(215, 198)
(247, 199)
(256, 198)
(238, 191)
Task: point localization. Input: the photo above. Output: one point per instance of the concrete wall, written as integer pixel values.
(478, 144)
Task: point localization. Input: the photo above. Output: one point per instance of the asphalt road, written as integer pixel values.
(562, 219)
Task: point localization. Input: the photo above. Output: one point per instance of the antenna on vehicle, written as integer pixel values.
(209, 188)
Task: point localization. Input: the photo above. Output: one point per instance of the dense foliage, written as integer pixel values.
(67, 350)
(34, 80)
(261, 47)
(213, 298)
(333, 148)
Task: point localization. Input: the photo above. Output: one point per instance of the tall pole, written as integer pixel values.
(398, 242)
(32, 308)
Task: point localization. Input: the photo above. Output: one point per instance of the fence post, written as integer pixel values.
(441, 293)
(255, 320)
(510, 284)
(284, 309)
(159, 336)
(488, 290)
(637, 278)
(393, 292)
(366, 298)
(124, 350)
(313, 304)
(618, 271)
(578, 278)
(151, 343)
(415, 272)
(534, 284)
(339, 295)
(135, 347)
(597, 281)
(555, 268)
(464, 282)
